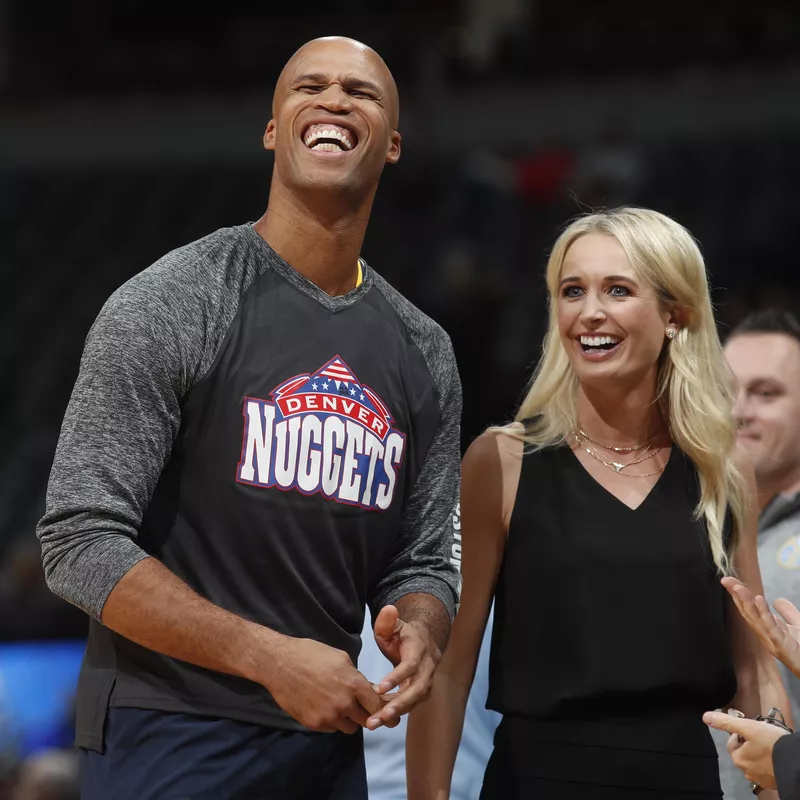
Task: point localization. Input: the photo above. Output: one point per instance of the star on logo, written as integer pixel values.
(324, 385)
(361, 397)
(353, 392)
(314, 386)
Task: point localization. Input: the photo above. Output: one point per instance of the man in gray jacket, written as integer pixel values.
(764, 354)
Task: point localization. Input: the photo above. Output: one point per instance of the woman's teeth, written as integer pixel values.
(598, 341)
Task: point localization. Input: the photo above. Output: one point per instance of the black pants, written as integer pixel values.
(154, 755)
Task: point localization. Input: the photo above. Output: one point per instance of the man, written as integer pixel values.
(384, 748)
(263, 437)
(764, 354)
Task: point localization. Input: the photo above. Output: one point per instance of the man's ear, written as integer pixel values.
(393, 154)
(269, 135)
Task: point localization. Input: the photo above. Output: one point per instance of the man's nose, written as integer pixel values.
(742, 408)
(335, 99)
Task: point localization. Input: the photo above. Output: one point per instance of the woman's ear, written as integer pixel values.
(677, 317)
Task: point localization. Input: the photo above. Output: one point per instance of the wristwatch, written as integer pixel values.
(775, 717)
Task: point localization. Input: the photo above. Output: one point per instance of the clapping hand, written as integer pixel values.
(779, 632)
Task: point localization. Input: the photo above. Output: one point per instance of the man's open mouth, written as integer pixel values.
(327, 138)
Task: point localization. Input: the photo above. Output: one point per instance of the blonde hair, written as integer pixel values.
(695, 388)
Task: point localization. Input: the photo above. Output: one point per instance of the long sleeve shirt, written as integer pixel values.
(290, 455)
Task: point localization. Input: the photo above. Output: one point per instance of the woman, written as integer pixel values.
(600, 521)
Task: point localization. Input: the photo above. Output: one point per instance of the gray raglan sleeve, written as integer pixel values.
(117, 434)
(424, 560)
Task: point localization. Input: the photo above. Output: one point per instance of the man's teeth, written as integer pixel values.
(598, 341)
(327, 147)
(317, 136)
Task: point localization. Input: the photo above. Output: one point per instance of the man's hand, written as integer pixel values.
(750, 745)
(415, 655)
(780, 634)
(319, 686)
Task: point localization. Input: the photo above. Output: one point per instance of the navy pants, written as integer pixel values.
(155, 755)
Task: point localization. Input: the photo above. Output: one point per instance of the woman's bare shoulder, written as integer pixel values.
(495, 448)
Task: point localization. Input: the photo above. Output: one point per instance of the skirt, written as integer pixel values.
(670, 757)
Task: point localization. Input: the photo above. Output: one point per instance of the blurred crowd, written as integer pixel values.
(47, 775)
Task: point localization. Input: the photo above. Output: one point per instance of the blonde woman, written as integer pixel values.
(601, 520)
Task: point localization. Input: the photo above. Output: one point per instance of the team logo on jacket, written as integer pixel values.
(323, 432)
(789, 553)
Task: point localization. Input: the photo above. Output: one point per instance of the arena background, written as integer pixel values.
(130, 128)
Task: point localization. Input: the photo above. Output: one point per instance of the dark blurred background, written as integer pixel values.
(130, 128)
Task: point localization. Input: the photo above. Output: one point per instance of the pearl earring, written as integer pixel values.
(671, 333)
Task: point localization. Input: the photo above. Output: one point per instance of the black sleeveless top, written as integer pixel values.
(603, 611)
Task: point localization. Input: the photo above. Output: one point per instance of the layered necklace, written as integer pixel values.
(585, 441)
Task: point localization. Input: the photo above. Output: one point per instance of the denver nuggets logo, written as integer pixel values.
(323, 432)
(789, 553)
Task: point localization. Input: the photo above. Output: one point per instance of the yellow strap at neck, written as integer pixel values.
(360, 274)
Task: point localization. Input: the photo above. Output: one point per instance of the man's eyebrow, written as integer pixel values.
(349, 82)
(311, 77)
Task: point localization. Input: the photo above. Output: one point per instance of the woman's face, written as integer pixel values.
(610, 321)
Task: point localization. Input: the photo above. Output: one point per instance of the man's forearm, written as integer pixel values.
(154, 608)
(425, 609)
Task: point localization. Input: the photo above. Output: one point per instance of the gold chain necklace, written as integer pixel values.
(619, 467)
(583, 435)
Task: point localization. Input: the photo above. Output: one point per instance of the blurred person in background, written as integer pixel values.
(49, 775)
(610, 170)
(764, 354)
(225, 544)
(385, 748)
(600, 521)
(8, 771)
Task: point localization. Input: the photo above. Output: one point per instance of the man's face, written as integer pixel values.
(334, 117)
(767, 370)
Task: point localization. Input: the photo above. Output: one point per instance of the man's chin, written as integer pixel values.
(755, 451)
(327, 183)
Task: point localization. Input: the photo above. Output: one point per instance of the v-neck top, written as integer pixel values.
(602, 610)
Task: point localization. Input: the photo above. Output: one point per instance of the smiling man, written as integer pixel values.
(764, 354)
(263, 438)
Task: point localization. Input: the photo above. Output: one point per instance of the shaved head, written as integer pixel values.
(334, 121)
(339, 47)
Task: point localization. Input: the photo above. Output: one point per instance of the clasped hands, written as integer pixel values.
(320, 687)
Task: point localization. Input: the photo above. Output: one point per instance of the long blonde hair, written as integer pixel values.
(695, 387)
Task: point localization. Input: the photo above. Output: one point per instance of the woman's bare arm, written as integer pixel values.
(490, 475)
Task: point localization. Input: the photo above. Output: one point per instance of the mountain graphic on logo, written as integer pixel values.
(333, 388)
